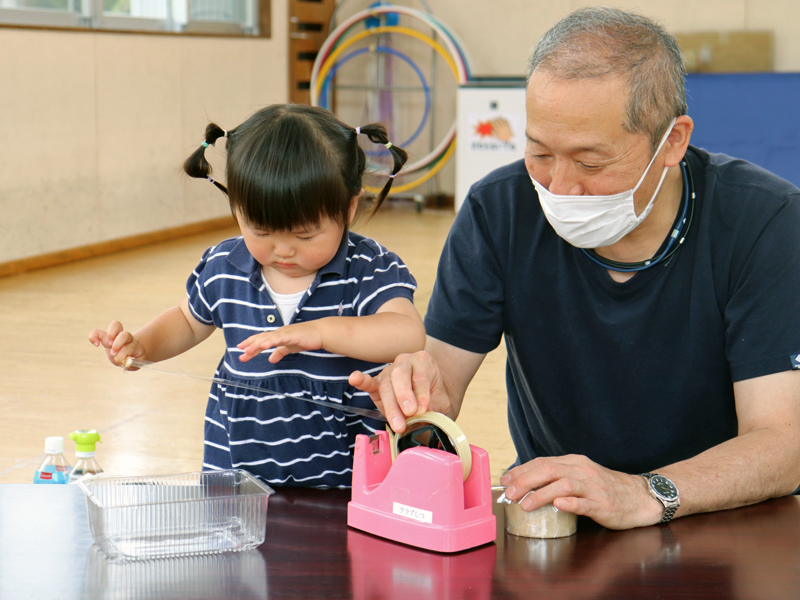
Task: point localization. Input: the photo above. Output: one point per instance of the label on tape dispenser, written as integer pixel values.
(423, 516)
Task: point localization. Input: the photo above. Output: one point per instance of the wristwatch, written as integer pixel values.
(663, 490)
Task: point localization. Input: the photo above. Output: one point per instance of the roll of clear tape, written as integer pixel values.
(454, 433)
(544, 522)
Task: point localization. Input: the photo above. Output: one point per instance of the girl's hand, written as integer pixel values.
(118, 343)
(286, 340)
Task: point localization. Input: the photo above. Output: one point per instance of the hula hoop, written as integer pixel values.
(323, 71)
(448, 38)
(400, 55)
(328, 63)
(460, 59)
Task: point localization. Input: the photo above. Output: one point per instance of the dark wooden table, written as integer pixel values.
(46, 552)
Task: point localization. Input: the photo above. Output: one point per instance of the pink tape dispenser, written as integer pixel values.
(426, 487)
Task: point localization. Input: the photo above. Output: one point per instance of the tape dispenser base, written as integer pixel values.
(421, 499)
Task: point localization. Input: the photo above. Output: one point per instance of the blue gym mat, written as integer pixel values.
(754, 116)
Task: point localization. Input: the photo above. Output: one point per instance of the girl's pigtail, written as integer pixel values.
(197, 165)
(377, 134)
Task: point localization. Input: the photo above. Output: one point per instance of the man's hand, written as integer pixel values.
(577, 485)
(409, 386)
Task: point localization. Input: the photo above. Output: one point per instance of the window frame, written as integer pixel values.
(92, 19)
(20, 17)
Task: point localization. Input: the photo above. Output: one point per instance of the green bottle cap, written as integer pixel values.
(85, 440)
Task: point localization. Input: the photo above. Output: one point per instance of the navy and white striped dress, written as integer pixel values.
(289, 442)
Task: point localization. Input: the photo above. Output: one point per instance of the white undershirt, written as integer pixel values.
(286, 303)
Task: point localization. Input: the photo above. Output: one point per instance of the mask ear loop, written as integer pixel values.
(641, 217)
(652, 160)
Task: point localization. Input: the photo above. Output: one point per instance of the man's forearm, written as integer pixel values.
(456, 369)
(761, 462)
(755, 466)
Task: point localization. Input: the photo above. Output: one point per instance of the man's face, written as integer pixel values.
(577, 144)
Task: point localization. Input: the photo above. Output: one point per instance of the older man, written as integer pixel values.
(647, 291)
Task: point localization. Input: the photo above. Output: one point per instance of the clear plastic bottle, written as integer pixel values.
(54, 467)
(85, 464)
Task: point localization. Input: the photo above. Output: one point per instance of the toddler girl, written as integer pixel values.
(301, 300)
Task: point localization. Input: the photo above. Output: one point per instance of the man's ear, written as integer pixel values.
(678, 140)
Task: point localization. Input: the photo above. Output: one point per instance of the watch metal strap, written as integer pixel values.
(668, 514)
(669, 511)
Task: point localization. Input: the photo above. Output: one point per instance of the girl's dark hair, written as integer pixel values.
(292, 165)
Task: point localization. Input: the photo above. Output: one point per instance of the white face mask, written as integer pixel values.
(597, 221)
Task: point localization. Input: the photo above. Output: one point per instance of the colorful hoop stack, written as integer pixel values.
(448, 47)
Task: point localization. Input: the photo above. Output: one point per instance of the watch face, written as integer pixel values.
(664, 487)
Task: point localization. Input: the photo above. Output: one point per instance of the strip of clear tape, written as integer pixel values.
(133, 363)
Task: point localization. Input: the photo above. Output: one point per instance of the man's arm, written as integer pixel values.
(762, 462)
(435, 379)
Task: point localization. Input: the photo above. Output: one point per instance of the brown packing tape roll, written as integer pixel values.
(454, 433)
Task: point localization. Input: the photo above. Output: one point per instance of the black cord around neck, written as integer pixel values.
(679, 232)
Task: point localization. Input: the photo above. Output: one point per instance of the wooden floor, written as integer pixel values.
(53, 381)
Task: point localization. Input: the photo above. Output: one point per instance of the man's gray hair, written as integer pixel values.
(596, 42)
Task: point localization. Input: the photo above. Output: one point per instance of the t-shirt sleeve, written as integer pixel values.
(762, 315)
(382, 276)
(199, 303)
(466, 308)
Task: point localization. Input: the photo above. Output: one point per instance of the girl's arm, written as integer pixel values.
(395, 328)
(171, 333)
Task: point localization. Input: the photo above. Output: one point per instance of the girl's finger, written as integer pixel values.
(114, 329)
(279, 353)
(96, 336)
(253, 340)
(124, 337)
(121, 356)
(250, 352)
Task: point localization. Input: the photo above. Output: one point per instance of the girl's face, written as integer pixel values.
(299, 253)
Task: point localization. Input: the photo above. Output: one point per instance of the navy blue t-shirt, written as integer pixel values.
(639, 374)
